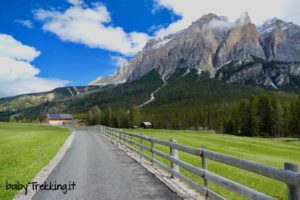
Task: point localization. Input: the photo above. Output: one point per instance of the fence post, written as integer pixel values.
(142, 144)
(204, 166)
(123, 136)
(126, 139)
(119, 134)
(152, 147)
(293, 191)
(174, 154)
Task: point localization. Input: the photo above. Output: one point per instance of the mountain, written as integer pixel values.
(280, 40)
(30, 100)
(183, 90)
(267, 55)
(70, 101)
(207, 68)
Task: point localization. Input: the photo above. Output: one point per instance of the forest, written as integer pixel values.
(264, 115)
(188, 101)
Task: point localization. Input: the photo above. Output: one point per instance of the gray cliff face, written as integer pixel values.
(211, 42)
(241, 43)
(280, 40)
(119, 77)
(206, 45)
(278, 75)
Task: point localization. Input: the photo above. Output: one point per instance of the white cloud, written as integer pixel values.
(220, 24)
(119, 61)
(14, 49)
(76, 2)
(17, 75)
(26, 23)
(90, 26)
(12, 70)
(191, 10)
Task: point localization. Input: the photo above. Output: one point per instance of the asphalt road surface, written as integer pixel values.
(101, 171)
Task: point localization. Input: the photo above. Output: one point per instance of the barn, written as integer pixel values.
(146, 125)
(58, 119)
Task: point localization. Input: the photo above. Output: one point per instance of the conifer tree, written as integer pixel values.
(294, 122)
(135, 116)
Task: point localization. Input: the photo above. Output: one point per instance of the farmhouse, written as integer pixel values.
(58, 119)
(146, 125)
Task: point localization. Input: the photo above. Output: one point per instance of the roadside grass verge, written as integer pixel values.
(273, 152)
(25, 150)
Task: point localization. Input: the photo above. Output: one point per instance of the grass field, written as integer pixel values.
(25, 150)
(272, 152)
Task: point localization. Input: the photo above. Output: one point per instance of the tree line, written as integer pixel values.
(264, 115)
(120, 118)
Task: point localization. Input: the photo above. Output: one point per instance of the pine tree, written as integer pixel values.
(294, 122)
(229, 127)
(264, 115)
(108, 121)
(135, 116)
(248, 122)
(97, 115)
(90, 117)
(276, 118)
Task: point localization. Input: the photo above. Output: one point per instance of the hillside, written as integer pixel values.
(124, 95)
(184, 89)
(197, 77)
(30, 100)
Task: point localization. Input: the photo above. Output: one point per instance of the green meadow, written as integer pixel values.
(269, 151)
(24, 150)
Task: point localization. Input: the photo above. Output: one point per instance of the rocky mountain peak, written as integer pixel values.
(205, 19)
(280, 40)
(270, 25)
(244, 19)
(211, 42)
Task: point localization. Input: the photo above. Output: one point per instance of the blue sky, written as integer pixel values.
(76, 63)
(47, 44)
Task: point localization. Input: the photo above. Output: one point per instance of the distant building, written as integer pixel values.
(146, 125)
(58, 119)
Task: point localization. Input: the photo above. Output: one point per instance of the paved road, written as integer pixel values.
(102, 171)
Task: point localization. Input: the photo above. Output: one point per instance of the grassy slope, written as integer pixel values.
(272, 152)
(30, 100)
(124, 95)
(25, 150)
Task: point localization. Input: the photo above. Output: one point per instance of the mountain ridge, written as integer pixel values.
(211, 52)
(210, 43)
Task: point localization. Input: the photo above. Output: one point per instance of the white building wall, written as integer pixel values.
(56, 122)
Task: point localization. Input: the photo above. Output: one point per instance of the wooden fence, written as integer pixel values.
(289, 175)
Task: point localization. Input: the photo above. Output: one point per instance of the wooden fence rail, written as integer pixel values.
(289, 175)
